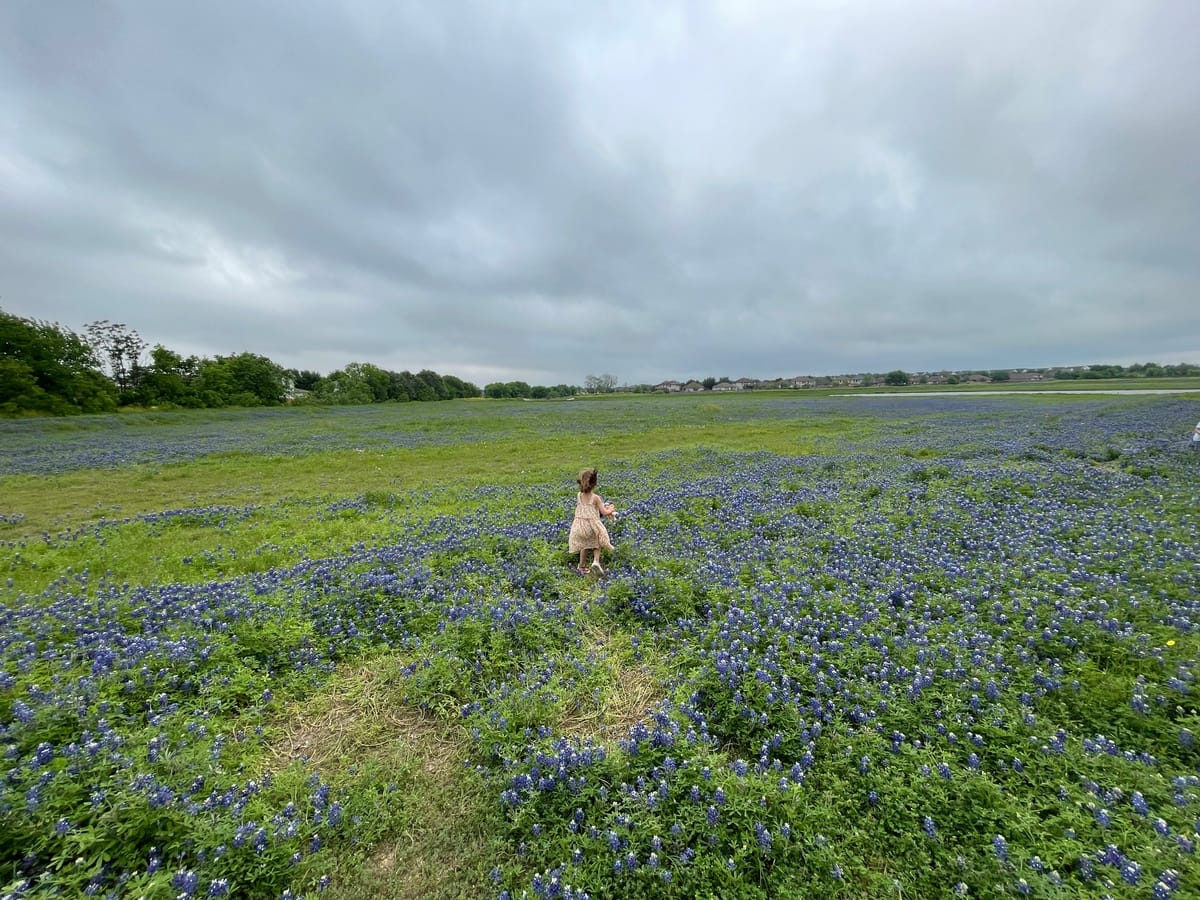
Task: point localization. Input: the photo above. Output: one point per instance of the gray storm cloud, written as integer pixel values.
(662, 190)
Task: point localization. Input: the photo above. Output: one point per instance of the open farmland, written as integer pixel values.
(866, 647)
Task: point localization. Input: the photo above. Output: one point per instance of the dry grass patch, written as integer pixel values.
(445, 842)
(633, 693)
(361, 714)
(445, 853)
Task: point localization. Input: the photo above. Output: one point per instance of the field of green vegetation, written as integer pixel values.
(855, 647)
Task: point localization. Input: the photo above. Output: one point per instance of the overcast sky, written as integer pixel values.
(546, 190)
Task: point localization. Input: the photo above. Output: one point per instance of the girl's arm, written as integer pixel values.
(606, 509)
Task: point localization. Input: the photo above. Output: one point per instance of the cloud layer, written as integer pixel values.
(541, 191)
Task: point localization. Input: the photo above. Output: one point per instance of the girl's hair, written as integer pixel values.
(587, 479)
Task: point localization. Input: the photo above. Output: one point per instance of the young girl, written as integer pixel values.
(587, 531)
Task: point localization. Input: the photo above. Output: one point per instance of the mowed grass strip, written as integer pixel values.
(444, 837)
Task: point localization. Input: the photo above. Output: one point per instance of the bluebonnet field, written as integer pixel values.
(953, 653)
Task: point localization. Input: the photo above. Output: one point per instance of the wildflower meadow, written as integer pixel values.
(867, 647)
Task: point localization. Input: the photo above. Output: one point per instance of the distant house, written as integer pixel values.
(977, 378)
(936, 378)
(693, 387)
(746, 384)
(671, 387)
(1026, 376)
(725, 386)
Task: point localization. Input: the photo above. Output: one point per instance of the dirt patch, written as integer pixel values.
(384, 861)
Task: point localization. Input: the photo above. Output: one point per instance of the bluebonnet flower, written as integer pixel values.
(186, 882)
(762, 835)
(1000, 845)
(1139, 804)
(1131, 871)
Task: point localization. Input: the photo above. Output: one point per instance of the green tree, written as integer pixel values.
(1000, 375)
(432, 386)
(402, 386)
(459, 389)
(304, 379)
(245, 379)
(169, 379)
(347, 387)
(897, 378)
(45, 368)
(377, 381)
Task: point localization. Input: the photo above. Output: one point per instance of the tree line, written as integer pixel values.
(46, 368)
(1083, 373)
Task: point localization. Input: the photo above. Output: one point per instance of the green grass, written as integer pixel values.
(499, 452)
